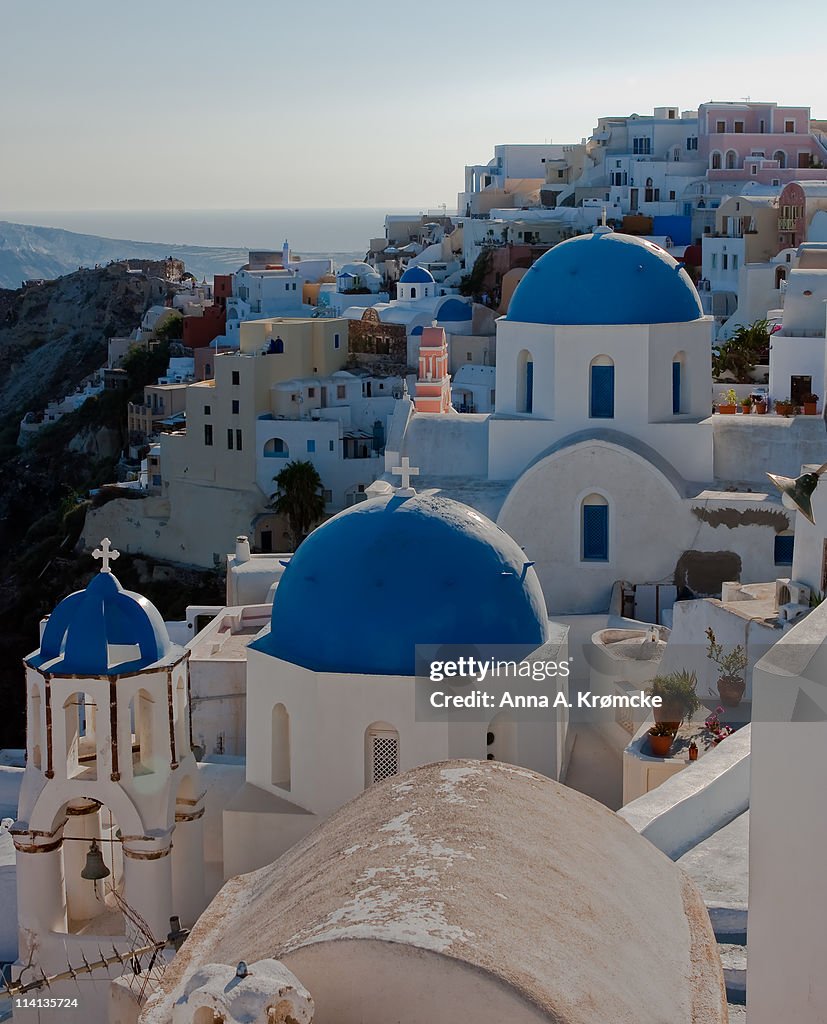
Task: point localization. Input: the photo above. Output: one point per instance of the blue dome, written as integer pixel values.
(605, 278)
(453, 311)
(103, 630)
(392, 572)
(417, 275)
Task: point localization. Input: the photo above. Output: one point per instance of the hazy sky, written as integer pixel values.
(107, 104)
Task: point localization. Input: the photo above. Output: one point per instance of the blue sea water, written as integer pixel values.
(328, 231)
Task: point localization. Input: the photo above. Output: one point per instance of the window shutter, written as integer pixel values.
(595, 533)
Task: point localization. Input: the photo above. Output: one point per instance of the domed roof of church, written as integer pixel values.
(605, 278)
(396, 571)
(417, 275)
(103, 630)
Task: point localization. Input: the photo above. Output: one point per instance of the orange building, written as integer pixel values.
(433, 382)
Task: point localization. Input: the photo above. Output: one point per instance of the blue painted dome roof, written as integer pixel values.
(102, 630)
(453, 310)
(392, 572)
(417, 275)
(605, 278)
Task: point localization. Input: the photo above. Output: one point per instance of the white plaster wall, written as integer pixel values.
(329, 716)
(787, 929)
(747, 447)
(687, 644)
(650, 526)
(796, 357)
(809, 552)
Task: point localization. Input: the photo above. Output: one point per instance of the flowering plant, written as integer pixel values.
(714, 725)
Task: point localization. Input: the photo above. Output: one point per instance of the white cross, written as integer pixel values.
(405, 471)
(106, 553)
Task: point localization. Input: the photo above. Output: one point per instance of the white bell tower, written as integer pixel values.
(109, 836)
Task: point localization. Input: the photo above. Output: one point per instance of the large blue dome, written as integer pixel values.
(103, 630)
(417, 275)
(393, 572)
(605, 278)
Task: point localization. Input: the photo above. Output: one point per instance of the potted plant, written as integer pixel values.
(731, 682)
(760, 406)
(661, 738)
(784, 407)
(680, 701)
(746, 405)
(728, 402)
(810, 404)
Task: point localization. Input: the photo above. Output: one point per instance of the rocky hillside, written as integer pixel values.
(51, 336)
(28, 252)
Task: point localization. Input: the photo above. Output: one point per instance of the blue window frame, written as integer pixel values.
(529, 386)
(602, 393)
(595, 533)
(784, 549)
(676, 388)
(311, 446)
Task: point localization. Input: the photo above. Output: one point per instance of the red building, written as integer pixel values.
(200, 330)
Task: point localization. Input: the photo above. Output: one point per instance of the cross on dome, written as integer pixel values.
(106, 553)
(405, 472)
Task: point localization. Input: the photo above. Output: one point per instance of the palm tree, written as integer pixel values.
(298, 498)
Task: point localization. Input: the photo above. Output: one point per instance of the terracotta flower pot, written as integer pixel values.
(727, 410)
(811, 408)
(760, 408)
(731, 690)
(660, 745)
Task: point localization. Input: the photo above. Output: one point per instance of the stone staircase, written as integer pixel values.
(730, 927)
(719, 867)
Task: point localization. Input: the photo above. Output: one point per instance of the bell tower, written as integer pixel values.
(109, 837)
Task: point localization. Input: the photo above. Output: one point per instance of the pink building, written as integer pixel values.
(797, 204)
(761, 142)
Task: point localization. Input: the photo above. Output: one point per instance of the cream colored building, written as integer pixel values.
(208, 490)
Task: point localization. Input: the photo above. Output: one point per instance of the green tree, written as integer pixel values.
(738, 355)
(298, 498)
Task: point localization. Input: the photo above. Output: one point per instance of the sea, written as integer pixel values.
(343, 233)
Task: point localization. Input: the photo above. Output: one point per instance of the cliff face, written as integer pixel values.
(54, 334)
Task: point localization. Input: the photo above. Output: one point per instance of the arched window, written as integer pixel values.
(280, 747)
(81, 741)
(678, 398)
(781, 157)
(501, 738)
(525, 382)
(602, 388)
(731, 160)
(715, 161)
(594, 517)
(413, 292)
(275, 448)
(141, 713)
(381, 752)
(275, 346)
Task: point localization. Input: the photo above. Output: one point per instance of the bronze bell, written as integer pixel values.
(94, 868)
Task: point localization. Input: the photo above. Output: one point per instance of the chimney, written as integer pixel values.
(242, 549)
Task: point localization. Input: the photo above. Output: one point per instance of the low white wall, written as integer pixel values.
(698, 801)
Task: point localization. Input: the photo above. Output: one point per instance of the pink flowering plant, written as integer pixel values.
(716, 727)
